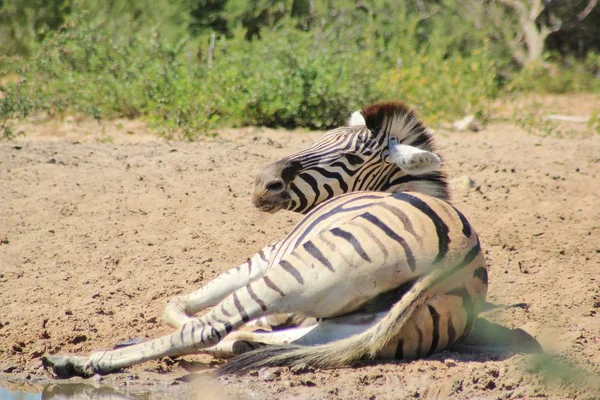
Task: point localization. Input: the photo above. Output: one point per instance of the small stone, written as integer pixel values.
(392, 380)
(301, 369)
(511, 384)
(464, 182)
(268, 374)
(468, 123)
(450, 363)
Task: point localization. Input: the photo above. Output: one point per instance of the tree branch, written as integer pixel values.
(580, 17)
(536, 9)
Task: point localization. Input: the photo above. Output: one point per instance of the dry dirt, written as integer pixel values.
(101, 224)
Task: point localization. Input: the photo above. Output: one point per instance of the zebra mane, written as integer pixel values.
(397, 120)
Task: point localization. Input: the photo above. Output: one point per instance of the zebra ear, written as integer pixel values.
(413, 160)
(356, 119)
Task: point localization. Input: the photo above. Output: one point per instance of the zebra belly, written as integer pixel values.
(329, 330)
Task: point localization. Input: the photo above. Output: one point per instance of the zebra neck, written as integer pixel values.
(433, 184)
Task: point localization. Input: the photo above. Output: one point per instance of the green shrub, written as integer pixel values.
(559, 76)
(289, 78)
(16, 102)
(302, 68)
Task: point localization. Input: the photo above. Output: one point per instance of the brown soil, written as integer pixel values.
(100, 227)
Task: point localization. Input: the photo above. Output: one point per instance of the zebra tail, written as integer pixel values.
(342, 352)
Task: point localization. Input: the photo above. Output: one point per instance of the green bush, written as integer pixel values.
(23, 23)
(289, 78)
(129, 59)
(554, 76)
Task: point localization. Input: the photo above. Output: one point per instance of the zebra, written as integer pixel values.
(382, 266)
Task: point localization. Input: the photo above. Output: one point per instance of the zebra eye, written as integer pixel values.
(354, 159)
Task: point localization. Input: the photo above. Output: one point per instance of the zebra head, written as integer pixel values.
(386, 148)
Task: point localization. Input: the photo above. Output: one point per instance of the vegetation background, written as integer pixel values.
(190, 66)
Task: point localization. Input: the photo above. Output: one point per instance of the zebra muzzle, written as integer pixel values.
(270, 206)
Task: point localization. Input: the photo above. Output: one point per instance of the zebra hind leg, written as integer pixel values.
(440, 321)
(181, 309)
(324, 331)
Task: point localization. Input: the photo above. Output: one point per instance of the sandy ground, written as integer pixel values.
(101, 224)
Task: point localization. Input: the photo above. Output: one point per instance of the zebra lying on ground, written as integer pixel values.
(381, 266)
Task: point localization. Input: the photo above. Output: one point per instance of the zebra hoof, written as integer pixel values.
(65, 367)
